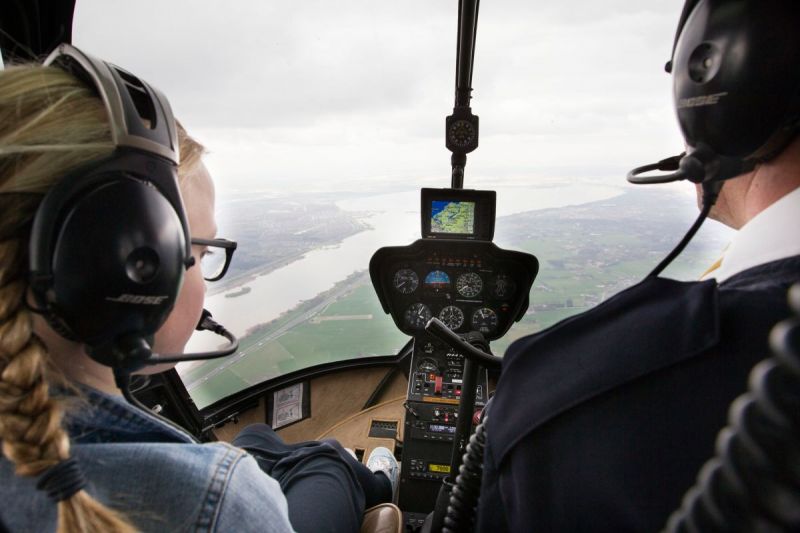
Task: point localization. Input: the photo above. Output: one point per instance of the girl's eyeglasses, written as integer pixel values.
(217, 257)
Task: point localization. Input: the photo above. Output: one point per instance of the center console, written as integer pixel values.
(456, 274)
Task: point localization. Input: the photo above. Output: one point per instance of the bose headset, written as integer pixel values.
(736, 92)
(110, 242)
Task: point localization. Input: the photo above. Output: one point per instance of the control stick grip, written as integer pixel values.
(436, 328)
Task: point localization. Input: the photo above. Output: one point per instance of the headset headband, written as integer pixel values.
(128, 101)
(110, 240)
(688, 7)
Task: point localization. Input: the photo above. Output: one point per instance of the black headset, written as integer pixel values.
(110, 242)
(736, 87)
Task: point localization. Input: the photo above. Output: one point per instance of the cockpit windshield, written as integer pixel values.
(323, 120)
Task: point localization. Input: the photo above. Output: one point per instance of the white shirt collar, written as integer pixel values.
(771, 235)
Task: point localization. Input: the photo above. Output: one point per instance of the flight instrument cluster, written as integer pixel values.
(468, 285)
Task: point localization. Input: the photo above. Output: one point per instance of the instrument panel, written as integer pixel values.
(470, 286)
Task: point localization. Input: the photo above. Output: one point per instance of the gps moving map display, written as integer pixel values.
(452, 217)
(458, 214)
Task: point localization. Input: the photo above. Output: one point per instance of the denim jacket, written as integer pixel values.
(159, 477)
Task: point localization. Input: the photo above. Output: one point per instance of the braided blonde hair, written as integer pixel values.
(50, 124)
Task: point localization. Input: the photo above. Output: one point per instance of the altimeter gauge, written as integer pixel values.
(452, 316)
(406, 281)
(484, 320)
(417, 316)
(469, 285)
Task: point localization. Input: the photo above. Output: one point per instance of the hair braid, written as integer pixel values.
(34, 112)
(50, 123)
(30, 420)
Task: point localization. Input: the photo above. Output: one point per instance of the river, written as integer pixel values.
(394, 220)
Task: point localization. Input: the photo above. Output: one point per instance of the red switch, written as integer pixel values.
(437, 388)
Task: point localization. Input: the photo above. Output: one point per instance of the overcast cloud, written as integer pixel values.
(325, 95)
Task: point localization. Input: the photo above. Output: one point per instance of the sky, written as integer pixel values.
(313, 95)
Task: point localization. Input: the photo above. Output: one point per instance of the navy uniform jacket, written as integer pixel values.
(602, 422)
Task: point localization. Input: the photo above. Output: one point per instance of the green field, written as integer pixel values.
(340, 331)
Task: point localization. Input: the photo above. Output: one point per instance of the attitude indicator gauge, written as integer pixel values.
(484, 320)
(469, 285)
(452, 316)
(418, 315)
(437, 280)
(406, 281)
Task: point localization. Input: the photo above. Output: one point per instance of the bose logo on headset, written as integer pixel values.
(700, 101)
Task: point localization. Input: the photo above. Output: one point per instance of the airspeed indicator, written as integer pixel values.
(406, 281)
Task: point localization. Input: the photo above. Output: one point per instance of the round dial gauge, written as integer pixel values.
(452, 316)
(461, 133)
(417, 316)
(504, 286)
(484, 320)
(469, 285)
(406, 281)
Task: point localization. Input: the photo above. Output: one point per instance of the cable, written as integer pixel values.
(123, 381)
(710, 195)
(464, 496)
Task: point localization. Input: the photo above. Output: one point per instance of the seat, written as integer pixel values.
(383, 518)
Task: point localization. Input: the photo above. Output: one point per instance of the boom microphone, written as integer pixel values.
(206, 323)
(670, 163)
(698, 165)
(140, 350)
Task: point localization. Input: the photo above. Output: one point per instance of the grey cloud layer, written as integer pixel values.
(551, 78)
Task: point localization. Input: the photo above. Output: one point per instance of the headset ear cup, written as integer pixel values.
(117, 262)
(735, 77)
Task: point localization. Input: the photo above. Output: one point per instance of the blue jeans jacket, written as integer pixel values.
(159, 477)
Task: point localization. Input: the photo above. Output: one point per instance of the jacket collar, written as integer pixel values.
(94, 416)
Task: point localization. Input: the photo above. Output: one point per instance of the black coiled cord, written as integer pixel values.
(753, 483)
(464, 497)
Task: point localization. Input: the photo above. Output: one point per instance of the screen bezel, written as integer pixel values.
(484, 215)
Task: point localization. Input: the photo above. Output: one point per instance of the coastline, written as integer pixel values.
(230, 284)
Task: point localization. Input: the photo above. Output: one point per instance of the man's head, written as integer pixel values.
(736, 92)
